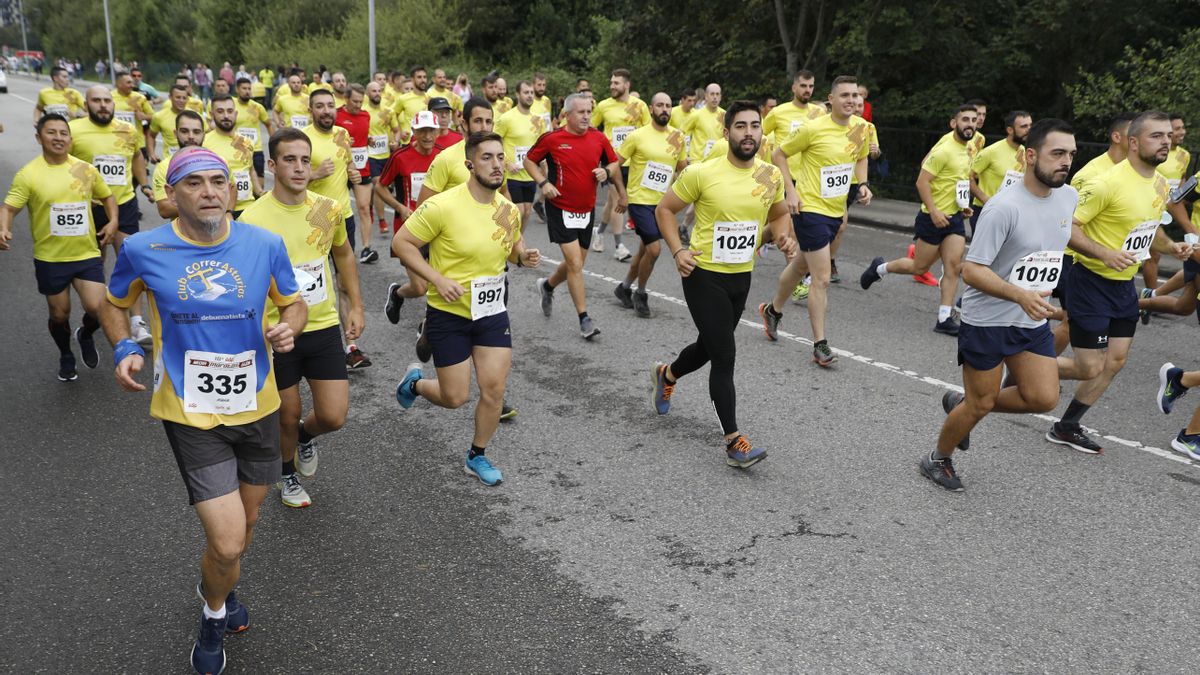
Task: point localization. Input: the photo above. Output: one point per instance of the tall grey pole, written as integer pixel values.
(371, 35)
(21, 16)
(112, 73)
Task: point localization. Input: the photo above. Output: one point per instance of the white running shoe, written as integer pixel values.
(306, 458)
(141, 332)
(597, 241)
(622, 254)
(293, 493)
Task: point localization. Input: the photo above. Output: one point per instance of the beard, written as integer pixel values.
(225, 125)
(1152, 158)
(742, 154)
(1048, 179)
(210, 226)
(100, 118)
(663, 119)
(964, 134)
(1020, 140)
(488, 182)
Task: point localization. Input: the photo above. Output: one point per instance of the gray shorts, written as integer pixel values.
(214, 461)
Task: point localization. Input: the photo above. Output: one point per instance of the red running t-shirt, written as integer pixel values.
(571, 160)
(406, 169)
(359, 127)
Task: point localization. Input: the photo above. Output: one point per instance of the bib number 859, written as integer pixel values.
(222, 385)
(656, 176)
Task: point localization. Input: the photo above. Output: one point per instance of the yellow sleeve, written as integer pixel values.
(1093, 199)
(438, 175)
(798, 141)
(18, 194)
(597, 115)
(934, 161)
(100, 189)
(687, 186)
(423, 223)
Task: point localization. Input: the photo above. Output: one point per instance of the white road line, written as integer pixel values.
(912, 375)
(23, 98)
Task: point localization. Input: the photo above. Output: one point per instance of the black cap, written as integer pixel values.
(439, 103)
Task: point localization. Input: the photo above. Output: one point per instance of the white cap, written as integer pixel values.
(425, 120)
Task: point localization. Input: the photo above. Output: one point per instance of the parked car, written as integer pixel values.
(3, 82)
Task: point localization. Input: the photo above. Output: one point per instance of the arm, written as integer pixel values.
(408, 248)
(128, 356)
(426, 193)
(535, 172)
(524, 257)
(140, 176)
(1179, 212)
(779, 220)
(167, 209)
(667, 215)
(618, 181)
(151, 139)
(292, 319)
(976, 191)
(860, 177)
(790, 196)
(343, 258)
(110, 228)
(324, 169)
(1163, 244)
(982, 278)
(924, 189)
(256, 182)
(6, 217)
(1117, 260)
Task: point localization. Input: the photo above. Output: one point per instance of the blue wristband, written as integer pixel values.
(125, 348)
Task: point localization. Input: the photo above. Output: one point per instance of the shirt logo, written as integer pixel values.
(209, 280)
(323, 215)
(769, 180)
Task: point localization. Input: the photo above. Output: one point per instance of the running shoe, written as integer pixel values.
(382, 227)
(293, 494)
(871, 274)
(507, 412)
(306, 458)
(423, 347)
(800, 292)
(741, 455)
(622, 254)
(368, 256)
(927, 278)
(540, 210)
(141, 333)
(1074, 439)
(624, 295)
(356, 359)
(950, 401)
(597, 241)
(662, 388)
(770, 321)
(1170, 387)
(947, 327)
(941, 471)
(480, 467)
(1188, 444)
(394, 302)
(587, 328)
(547, 294)
(406, 392)
(641, 304)
(823, 356)
(834, 277)
(1144, 314)
(66, 368)
(87, 348)
(237, 618)
(208, 653)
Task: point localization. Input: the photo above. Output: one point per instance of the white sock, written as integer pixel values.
(135, 320)
(1153, 293)
(218, 614)
(943, 313)
(882, 269)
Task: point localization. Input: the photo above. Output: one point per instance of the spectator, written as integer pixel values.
(100, 69)
(227, 74)
(864, 92)
(461, 87)
(242, 73)
(203, 81)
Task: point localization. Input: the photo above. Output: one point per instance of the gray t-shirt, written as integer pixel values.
(1014, 224)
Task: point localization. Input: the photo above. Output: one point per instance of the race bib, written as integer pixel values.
(708, 146)
(619, 135)
(112, 169)
(734, 242)
(835, 180)
(1037, 271)
(299, 121)
(316, 291)
(962, 193)
(125, 116)
(220, 384)
(1011, 177)
(69, 219)
(547, 122)
(487, 296)
(657, 176)
(377, 145)
(519, 153)
(416, 181)
(576, 221)
(249, 133)
(359, 157)
(241, 180)
(1139, 240)
(57, 109)
(796, 124)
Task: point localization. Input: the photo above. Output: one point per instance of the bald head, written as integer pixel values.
(712, 96)
(660, 109)
(99, 103)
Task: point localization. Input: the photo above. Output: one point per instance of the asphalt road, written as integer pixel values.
(619, 541)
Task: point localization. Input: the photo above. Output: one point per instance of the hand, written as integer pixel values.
(355, 176)
(1181, 250)
(550, 192)
(323, 169)
(355, 322)
(281, 337)
(1034, 304)
(108, 233)
(128, 367)
(1117, 260)
(968, 212)
(405, 213)
(530, 257)
(788, 246)
(5, 237)
(622, 204)
(792, 199)
(874, 151)
(515, 167)
(865, 195)
(685, 261)
(154, 158)
(599, 174)
(148, 192)
(939, 219)
(449, 289)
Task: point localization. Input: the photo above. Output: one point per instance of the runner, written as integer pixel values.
(1173, 170)
(449, 168)
(873, 153)
(441, 109)
(251, 117)
(683, 111)
(442, 89)
(189, 131)
(57, 188)
(59, 98)
(163, 122)
(505, 103)
(944, 187)
(541, 102)
(290, 108)
(654, 155)
(407, 104)
(619, 115)
(1115, 226)
(471, 231)
(734, 199)
(487, 86)
(705, 126)
(313, 229)
(214, 383)
(578, 158)
(520, 129)
(833, 155)
(357, 123)
(340, 88)
(1009, 271)
(381, 141)
(236, 151)
(130, 105)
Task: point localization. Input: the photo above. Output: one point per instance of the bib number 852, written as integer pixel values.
(68, 219)
(222, 385)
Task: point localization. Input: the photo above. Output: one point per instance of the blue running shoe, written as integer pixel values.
(237, 617)
(406, 393)
(662, 389)
(1187, 444)
(208, 653)
(481, 468)
(741, 455)
(1170, 387)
